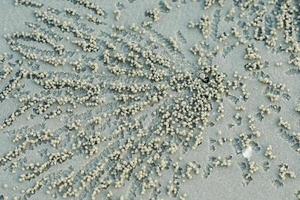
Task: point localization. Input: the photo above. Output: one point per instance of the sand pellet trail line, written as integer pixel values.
(150, 99)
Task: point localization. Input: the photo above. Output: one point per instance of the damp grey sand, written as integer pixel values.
(149, 99)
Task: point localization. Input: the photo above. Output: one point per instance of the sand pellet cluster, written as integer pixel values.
(149, 99)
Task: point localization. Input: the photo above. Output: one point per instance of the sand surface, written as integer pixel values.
(150, 99)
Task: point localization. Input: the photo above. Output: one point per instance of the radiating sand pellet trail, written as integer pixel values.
(150, 99)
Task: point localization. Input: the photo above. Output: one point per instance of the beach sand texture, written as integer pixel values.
(150, 99)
